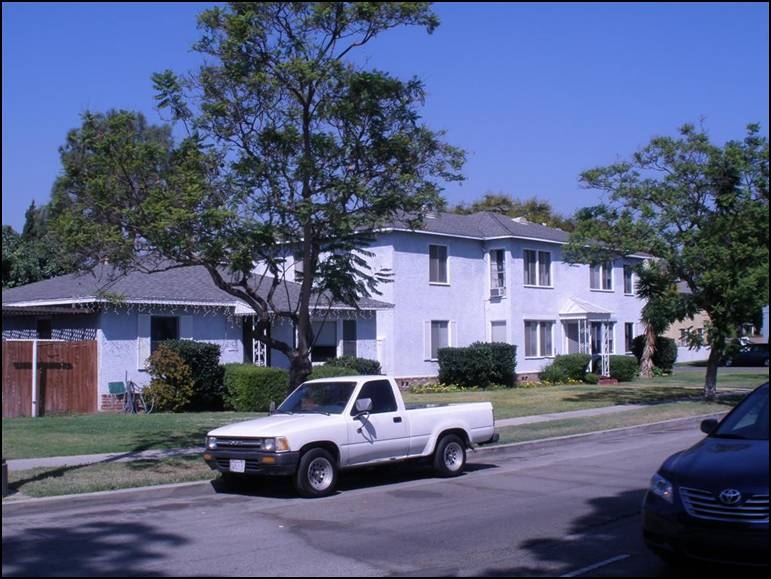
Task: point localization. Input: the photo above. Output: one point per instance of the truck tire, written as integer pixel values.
(450, 456)
(316, 474)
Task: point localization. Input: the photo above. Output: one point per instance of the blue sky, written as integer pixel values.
(535, 93)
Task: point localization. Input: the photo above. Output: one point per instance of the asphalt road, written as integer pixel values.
(567, 508)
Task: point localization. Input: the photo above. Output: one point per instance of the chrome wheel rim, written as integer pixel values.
(320, 474)
(453, 456)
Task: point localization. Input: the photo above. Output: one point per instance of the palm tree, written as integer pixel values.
(663, 306)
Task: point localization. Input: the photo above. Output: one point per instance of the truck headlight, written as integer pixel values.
(211, 442)
(662, 487)
(277, 444)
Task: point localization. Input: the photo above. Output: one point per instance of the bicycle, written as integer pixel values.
(133, 399)
(136, 401)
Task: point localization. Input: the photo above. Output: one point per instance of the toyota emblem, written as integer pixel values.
(730, 496)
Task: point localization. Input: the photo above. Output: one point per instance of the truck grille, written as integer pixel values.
(240, 443)
(704, 504)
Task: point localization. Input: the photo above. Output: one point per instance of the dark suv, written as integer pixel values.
(749, 355)
(710, 502)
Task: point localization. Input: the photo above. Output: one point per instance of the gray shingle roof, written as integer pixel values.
(485, 225)
(184, 285)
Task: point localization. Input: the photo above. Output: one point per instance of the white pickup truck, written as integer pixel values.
(331, 424)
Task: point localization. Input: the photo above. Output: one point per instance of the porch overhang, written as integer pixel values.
(577, 309)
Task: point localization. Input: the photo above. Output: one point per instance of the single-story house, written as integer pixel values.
(127, 317)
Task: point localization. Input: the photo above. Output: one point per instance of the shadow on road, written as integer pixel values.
(95, 549)
(607, 525)
(381, 476)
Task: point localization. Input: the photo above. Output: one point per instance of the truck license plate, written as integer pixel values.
(237, 465)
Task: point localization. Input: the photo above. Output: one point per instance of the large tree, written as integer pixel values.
(701, 210)
(290, 149)
(35, 254)
(533, 209)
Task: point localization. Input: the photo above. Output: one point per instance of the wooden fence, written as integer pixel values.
(66, 378)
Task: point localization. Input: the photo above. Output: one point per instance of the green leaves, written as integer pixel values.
(699, 208)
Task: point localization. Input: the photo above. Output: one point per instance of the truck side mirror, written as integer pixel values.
(363, 406)
(272, 407)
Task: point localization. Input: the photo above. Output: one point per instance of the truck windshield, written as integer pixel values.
(318, 397)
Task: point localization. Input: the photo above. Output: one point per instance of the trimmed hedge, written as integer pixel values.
(480, 365)
(363, 366)
(573, 365)
(203, 359)
(624, 368)
(250, 388)
(665, 355)
(330, 372)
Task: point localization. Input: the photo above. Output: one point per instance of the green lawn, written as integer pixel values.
(101, 433)
(666, 397)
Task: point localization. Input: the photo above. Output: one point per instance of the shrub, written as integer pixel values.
(665, 355)
(574, 365)
(553, 374)
(591, 378)
(171, 384)
(203, 359)
(624, 368)
(250, 388)
(363, 366)
(330, 372)
(480, 365)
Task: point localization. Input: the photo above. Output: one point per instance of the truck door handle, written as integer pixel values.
(397, 418)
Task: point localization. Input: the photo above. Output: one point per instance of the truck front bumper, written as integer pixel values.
(257, 463)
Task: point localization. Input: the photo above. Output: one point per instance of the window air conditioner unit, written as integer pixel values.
(497, 292)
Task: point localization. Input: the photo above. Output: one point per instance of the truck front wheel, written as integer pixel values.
(316, 474)
(450, 456)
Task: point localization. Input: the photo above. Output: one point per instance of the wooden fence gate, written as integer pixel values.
(66, 378)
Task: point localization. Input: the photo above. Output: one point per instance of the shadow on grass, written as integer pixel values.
(651, 396)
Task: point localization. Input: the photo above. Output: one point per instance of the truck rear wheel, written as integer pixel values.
(316, 474)
(450, 456)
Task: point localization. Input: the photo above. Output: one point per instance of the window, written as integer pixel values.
(44, 329)
(596, 329)
(628, 280)
(382, 395)
(163, 328)
(538, 339)
(628, 336)
(298, 267)
(437, 267)
(601, 276)
(537, 268)
(324, 341)
(498, 331)
(497, 269)
(439, 338)
(349, 337)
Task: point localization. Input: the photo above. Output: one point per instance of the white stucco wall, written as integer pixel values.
(119, 340)
(465, 300)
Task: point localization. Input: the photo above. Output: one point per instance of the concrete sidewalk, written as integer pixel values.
(61, 461)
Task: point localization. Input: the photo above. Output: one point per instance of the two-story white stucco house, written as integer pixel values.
(460, 279)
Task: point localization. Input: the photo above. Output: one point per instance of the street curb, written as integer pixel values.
(93, 498)
(544, 441)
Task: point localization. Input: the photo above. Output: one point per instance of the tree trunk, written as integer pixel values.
(299, 368)
(646, 360)
(710, 379)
